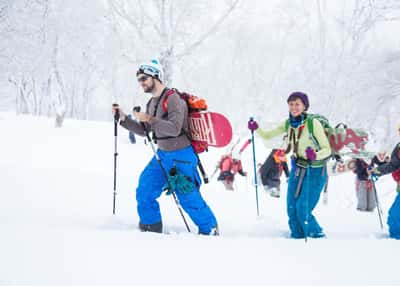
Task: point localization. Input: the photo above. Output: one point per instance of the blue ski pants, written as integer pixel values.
(300, 206)
(393, 220)
(151, 182)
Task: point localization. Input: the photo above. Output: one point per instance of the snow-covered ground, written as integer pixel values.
(57, 227)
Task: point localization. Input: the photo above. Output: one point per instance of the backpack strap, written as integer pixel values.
(164, 103)
(288, 134)
(293, 140)
(341, 124)
(310, 126)
(287, 125)
(162, 97)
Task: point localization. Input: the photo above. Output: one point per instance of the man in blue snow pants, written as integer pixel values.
(166, 117)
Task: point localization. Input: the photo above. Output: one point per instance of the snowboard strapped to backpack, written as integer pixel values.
(205, 128)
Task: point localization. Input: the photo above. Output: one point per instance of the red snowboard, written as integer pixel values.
(210, 128)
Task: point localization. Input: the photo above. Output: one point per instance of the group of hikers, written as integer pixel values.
(307, 176)
(268, 174)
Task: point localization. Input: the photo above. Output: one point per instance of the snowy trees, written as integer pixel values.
(56, 56)
(68, 58)
(75, 58)
(333, 51)
(168, 29)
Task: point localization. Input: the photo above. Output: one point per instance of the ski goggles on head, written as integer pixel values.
(149, 70)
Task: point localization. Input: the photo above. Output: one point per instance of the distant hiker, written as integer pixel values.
(366, 200)
(364, 189)
(174, 150)
(271, 171)
(380, 158)
(393, 166)
(229, 166)
(310, 148)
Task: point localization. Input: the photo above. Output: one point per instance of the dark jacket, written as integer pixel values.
(392, 165)
(270, 171)
(376, 162)
(361, 170)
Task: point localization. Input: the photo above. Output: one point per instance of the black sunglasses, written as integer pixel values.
(143, 78)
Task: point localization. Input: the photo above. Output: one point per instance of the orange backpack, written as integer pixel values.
(195, 104)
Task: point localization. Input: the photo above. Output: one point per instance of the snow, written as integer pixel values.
(57, 226)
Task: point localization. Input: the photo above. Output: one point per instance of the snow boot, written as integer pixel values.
(275, 192)
(317, 235)
(155, 227)
(214, 231)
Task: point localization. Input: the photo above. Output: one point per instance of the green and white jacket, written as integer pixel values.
(298, 143)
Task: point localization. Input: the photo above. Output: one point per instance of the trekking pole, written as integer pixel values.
(164, 173)
(199, 164)
(374, 178)
(307, 204)
(116, 119)
(325, 192)
(214, 173)
(201, 168)
(251, 124)
(311, 156)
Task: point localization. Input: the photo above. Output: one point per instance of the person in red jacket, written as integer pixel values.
(229, 166)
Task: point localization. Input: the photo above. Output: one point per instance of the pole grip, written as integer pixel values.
(116, 119)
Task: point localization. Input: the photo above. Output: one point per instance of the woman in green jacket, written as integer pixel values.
(310, 149)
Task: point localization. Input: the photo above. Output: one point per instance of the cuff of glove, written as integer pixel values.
(178, 183)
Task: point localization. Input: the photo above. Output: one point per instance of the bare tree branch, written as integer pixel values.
(211, 31)
(149, 19)
(120, 11)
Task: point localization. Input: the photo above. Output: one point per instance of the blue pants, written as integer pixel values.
(151, 182)
(300, 209)
(394, 218)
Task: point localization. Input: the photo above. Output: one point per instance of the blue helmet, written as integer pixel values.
(153, 69)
